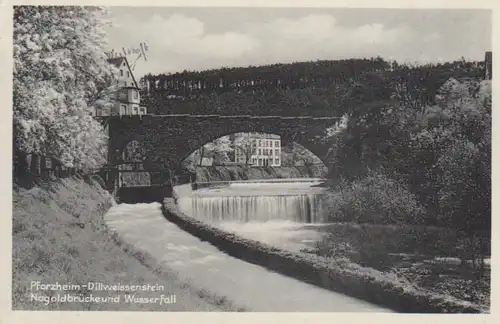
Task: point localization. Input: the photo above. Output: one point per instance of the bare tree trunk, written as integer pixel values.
(202, 152)
(56, 165)
(481, 255)
(43, 167)
(34, 164)
(248, 155)
(463, 252)
(20, 164)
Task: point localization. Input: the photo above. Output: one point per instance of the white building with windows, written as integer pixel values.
(257, 149)
(127, 99)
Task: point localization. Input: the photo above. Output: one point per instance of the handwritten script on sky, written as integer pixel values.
(140, 51)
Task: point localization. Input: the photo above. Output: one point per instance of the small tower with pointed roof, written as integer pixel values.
(127, 99)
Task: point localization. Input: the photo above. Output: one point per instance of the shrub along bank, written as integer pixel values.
(338, 275)
(377, 221)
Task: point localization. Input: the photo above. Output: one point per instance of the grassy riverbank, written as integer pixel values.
(59, 237)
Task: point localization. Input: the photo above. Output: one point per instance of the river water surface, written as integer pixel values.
(283, 214)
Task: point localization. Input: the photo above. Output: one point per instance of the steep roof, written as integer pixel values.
(117, 62)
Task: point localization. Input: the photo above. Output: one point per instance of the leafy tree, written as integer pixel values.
(244, 146)
(191, 161)
(60, 74)
(294, 154)
(220, 149)
(464, 168)
(439, 148)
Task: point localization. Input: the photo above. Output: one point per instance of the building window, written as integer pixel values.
(260, 162)
(277, 143)
(128, 74)
(121, 72)
(276, 152)
(131, 84)
(260, 142)
(276, 161)
(123, 110)
(136, 110)
(260, 152)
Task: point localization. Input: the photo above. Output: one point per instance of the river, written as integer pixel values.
(284, 213)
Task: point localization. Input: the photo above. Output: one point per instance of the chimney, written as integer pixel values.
(488, 58)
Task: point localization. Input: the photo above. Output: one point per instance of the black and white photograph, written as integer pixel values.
(251, 159)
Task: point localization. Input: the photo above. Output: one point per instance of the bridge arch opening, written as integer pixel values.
(133, 152)
(254, 150)
(132, 171)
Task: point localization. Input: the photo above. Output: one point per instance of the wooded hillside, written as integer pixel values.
(321, 88)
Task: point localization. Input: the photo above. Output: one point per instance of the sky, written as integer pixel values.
(190, 39)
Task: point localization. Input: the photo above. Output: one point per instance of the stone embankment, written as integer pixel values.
(338, 276)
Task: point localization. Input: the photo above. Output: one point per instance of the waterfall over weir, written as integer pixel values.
(256, 202)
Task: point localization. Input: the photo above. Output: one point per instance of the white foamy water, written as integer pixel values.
(256, 202)
(205, 267)
(272, 213)
(287, 235)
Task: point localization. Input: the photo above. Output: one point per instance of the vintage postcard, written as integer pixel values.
(250, 158)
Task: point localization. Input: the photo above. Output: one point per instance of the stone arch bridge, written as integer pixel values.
(169, 139)
(166, 140)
